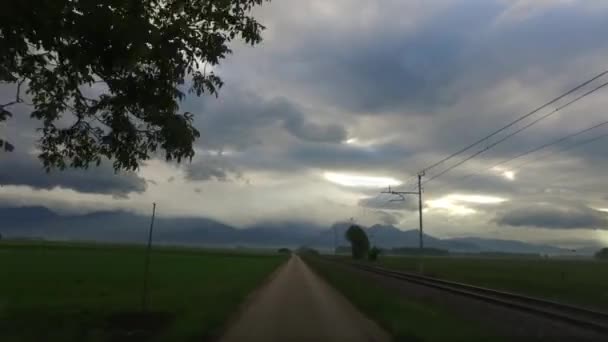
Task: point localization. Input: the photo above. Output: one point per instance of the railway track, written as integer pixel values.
(581, 317)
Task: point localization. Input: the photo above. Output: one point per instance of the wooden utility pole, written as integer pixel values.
(144, 295)
(420, 209)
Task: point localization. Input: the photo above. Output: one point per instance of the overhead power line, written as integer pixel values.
(536, 149)
(546, 155)
(569, 147)
(518, 131)
(555, 142)
(515, 122)
(566, 148)
(582, 143)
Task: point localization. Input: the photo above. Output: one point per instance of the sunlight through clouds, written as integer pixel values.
(510, 175)
(451, 207)
(602, 235)
(351, 180)
(454, 203)
(477, 199)
(506, 173)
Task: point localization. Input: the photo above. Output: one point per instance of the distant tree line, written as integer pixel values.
(374, 252)
(418, 251)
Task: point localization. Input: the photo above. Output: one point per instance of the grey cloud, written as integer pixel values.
(558, 216)
(239, 119)
(212, 168)
(345, 156)
(439, 81)
(294, 156)
(389, 218)
(387, 202)
(452, 57)
(458, 53)
(489, 182)
(22, 169)
(309, 131)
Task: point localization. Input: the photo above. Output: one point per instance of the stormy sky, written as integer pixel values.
(346, 97)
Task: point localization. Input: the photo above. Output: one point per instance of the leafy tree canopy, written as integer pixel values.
(358, 240)
(105, 77)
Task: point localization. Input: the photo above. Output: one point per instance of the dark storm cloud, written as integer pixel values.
(23, 169)
(557, 216)
(308, 131)
(297, 156)
(209, 168)
(239, 119)
(346, 156)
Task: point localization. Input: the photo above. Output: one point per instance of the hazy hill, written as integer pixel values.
(120, 226)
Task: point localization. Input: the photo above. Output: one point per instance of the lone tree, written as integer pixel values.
(106, 77)
(602, 254)
(358, 241)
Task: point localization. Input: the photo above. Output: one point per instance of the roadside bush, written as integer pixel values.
(374, 253)
(602, 254)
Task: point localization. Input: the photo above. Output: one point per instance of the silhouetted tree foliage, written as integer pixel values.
(6, 146)
(106, 77)
(374, 253)
(284, 250)
(602, 254)
(358, 241)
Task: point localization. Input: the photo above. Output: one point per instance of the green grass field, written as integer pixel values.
(61, 292)
(581, 282)
(405, 319)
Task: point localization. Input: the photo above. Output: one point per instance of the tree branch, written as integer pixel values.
(17, 96)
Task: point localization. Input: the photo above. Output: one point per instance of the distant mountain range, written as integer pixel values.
(126, 227)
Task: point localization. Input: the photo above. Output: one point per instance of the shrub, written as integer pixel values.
(374, 253)
(602, 254)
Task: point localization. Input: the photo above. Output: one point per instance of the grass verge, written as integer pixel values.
(578, 282)
(405, 319)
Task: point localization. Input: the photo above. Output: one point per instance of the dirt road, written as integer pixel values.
(297, 305)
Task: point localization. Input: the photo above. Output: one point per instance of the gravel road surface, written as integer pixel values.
(297, 305)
